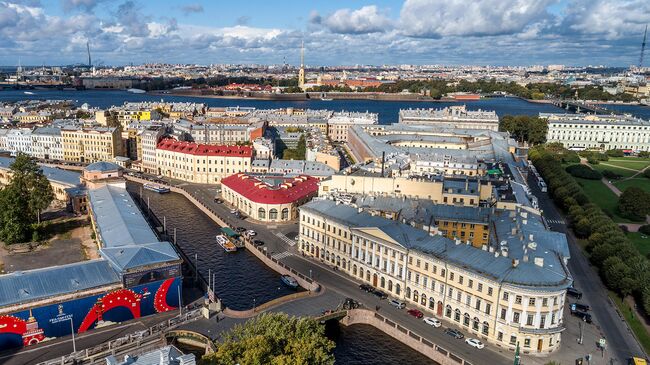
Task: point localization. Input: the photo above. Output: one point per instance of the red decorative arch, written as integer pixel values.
(160, 300)
(11, 324)
(119, 298)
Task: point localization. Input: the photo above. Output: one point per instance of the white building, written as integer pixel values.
(454, 116)
(19, 140)
(47, 143)
(149, 140)
(604, 132)
(338, 125)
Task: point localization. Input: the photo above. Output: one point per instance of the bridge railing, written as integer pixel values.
(133, 340)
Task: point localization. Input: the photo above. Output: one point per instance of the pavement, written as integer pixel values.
(607, 322)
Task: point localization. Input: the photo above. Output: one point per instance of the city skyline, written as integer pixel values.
(511, 32)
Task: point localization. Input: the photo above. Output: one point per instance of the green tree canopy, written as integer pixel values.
(634, 203)
(525, 128)
(274, 338)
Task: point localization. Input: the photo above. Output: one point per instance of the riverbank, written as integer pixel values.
(257, 95)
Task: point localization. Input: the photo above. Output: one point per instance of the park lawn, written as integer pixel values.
(623, 172)
(639, 182)
(600, 195)
(633, 321)
(630, 164)
(642, 244)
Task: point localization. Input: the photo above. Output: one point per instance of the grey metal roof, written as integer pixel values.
(52, 173)
(102, 166)
(168, 355)
(51, 131)
(130, 257)
(526, 273)
(25, 286)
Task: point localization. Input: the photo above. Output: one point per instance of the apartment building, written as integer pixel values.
(90, 144)
(18, 140)
(201, 163)
(47, 143)
(149, 139)
(339, 123)
(601, 132)
(455, 116)
(501, 296)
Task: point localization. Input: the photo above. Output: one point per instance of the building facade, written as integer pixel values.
(456, 116)
(47, 143)
(90, 144)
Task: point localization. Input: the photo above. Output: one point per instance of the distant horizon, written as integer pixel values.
(574, 33)
(333, 65)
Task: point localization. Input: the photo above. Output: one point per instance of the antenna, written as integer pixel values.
(643, 46)
(90, 63)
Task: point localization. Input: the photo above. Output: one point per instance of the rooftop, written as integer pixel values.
(272, 189)
(102, 166)
(191, 148)
(53, 174)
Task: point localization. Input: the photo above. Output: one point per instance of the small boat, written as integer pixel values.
(136, 91)
(289, 281)
(326, 99)
(157, 188)
(224, 242)
(28, 93)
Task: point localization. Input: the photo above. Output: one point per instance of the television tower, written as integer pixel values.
(643, 46)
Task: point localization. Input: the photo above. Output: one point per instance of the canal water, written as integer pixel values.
(362, 344)
(242, 281)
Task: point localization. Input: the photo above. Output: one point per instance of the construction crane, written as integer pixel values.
(643, 46)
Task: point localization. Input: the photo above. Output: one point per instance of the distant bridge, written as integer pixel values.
(581, 107)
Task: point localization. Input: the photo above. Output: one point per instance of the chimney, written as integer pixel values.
(530, 237)
(539, 261)
(515, 262)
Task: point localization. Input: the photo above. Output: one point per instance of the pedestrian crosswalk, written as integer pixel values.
(281, 255)
(286, 239)
(556, 221)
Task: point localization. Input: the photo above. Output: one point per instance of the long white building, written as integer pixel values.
(454, 116)
(47, 143)
(603, 132)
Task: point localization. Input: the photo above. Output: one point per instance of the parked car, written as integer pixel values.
(454, 333)
(218, 200)
(397, 304)
(474, 343)
(582, 315)
(350, 303)
(233, 211)
(366, 287)
(435, 322)
(579, 307)
(574, 293)
(240, 229)
(380, 294)
(251, 233)
(415, 313)
(258, 242)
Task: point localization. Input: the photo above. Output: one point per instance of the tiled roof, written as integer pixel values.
(284, 191)
(172, 145)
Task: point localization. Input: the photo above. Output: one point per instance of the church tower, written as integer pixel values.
(301, 72)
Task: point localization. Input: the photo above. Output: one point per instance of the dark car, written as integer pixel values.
(365, 287)
(415, 313)
(582, 315)
(240, 229)
(574, 293)
(258, 242)
(218, 201)
(380, 294)
(579, 307)
(454, 333)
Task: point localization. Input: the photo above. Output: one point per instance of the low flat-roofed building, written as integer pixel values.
(301, 167)
(269, 198)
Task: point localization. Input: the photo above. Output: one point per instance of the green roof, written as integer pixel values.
(229, 232)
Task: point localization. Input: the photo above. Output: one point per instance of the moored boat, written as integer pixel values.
(157, 188)
(227, 245)
(289, 281)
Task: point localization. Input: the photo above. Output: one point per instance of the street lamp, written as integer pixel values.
(253, 305)
(74, 344)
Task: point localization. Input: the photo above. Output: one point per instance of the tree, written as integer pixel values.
(634, 203)
(23, 199)
(274, 338)
(525, 128)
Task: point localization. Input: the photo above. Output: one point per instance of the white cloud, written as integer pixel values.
(441, 18)
(613, 19)
(367, 19)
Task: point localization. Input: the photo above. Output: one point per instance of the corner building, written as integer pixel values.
(499, 299)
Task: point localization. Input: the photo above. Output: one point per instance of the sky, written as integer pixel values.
(335, 32)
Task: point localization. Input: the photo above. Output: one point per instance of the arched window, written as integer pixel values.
(475, 324)
(408, 292)
(486, 328)
(432, 303)
(448, 311)
(368, 275)
(416, 296)
(397, 289)
(390, 285)
(382, 282)
(466, 319)
(285, 214)
(273, 214)
(423, 300)
(261, 213)
(457, 315)
(354, 269)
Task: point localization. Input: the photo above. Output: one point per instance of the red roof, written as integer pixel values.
(191, 148)
(258, 191)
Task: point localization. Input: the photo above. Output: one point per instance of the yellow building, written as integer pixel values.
(499, 298)
(90, 144)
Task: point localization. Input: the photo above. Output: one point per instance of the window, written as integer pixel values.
(285, 214)
(515, 317)
(503, 313)
(518, 299)
(489, 290)
(477, 305)
(529, 320)
(500, 336)
(460, 279)
(451, 276)
(488, 308)
(542, 322)
(470, 283)
(261, 213)
(544, 302)
(479, 287)
(527, 342)
(273, 214)
(505, 295)
(531, 301)
(513, 340)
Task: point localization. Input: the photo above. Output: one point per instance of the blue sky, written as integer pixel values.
(335, 32)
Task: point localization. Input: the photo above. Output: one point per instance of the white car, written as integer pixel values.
(251, 233)
(474, 343)
(233, 211)
(432, 321)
